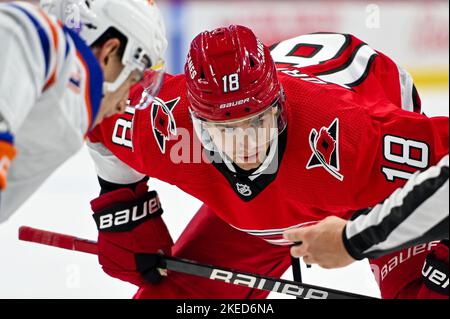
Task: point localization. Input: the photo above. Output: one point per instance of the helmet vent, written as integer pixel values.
(252, 62)
(202, 74)
(218, 32)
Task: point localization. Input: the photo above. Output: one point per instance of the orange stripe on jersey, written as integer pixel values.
(54, 31)
(7, 154)
(50, 81)
(86, 93)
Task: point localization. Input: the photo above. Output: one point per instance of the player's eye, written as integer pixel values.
(257, 122)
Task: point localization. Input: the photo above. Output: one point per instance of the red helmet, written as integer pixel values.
(230, 74)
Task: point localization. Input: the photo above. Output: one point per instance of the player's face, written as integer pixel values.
(110, 62)
(246, 141)
(116, 102)
(120, 78)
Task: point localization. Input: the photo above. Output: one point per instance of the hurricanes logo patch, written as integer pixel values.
(244, 189)
(325, 147)
(163, 121)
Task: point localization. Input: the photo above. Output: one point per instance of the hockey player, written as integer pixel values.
(329, 134)
(57, 83)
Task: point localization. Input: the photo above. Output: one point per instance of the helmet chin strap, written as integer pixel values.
(109, 87)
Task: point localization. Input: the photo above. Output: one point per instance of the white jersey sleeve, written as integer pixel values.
(33, 56)
(50, 94)
(110, 168)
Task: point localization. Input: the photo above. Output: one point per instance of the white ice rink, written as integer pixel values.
(62, 205)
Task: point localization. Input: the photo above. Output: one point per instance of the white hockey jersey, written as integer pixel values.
(50, 94)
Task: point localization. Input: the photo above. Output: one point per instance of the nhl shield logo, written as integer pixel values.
(325, 147)
(163, 121)
(244, 189)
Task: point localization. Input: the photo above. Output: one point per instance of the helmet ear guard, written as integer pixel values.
(151, 73)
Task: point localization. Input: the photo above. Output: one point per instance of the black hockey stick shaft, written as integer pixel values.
(226, 275)
(292, 288)
(296, 270)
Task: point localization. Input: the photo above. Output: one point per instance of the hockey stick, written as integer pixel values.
(193, 268)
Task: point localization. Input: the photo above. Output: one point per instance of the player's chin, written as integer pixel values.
(99, 119)
(120, 109)
(247, 165)
(250, 161)
(102, 116)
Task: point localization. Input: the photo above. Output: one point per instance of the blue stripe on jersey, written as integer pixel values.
(6, 136)
(95, 73)
(67, 44)
(45, 41)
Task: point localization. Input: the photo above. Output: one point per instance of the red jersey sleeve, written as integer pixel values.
(113, 143)
(355, 153)
(393, 145)
(110, 147)
(345, 60)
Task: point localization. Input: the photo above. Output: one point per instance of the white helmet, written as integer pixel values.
(140, 21)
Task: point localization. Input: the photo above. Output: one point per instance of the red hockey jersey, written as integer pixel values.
(347, 146)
